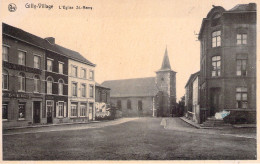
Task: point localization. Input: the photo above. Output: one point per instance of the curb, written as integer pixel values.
(49, 125)
(191, 123)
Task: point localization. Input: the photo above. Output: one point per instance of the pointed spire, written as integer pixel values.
(166, 61)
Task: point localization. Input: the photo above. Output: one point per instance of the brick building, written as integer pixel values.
(23, 86)
(228, 62)
(152, 96)
(37, 81)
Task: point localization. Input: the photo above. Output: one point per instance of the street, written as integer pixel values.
(129, 139)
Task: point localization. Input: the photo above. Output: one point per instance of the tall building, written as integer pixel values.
(228, 62)
(152, 96)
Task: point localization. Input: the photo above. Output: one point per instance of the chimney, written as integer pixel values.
(51, 40)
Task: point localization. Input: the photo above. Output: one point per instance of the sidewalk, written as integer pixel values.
(232, 126)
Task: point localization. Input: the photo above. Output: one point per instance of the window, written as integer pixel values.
(21, 57)
(36, 61)
(5, 111)
(74, 89)
(37, 85)
(5, 52)
(61, 83)
(216, 39)
(216, 66)
(91, 75)
(140, 105)
(49, 107)
(119, 106)
(21, 80)
(74, 71)
(83, 73)
(61, 67)
(83, 90)
(129, 104)
(21, 114)
(241, 39)
(60, 109)
(91, 91)
(83, 110)
(241, 67)
(5, 80)
(49, 65)
(74, 110)
(49, 85)
(241, 97)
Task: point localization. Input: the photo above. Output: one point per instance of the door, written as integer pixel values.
(214, 100)
(90, 114)
(140, 108)
(36, 111)
(49, 109)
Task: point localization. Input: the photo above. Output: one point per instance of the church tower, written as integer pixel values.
(166, 83)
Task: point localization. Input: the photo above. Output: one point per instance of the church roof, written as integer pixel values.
(139, 87)
(166, 66)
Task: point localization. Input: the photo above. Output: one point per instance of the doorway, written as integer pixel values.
(214, 101)
(36, 111)
(49, 107)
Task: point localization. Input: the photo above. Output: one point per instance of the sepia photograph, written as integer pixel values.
(120, 80)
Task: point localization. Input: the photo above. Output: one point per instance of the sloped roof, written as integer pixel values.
(99, 85)
(140, 87)
(166, 62)
(244, 7)
(191, 78)
(43, 43)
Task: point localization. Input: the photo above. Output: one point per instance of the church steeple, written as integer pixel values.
(166, 62)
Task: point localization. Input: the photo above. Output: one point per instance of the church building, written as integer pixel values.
(151, 96)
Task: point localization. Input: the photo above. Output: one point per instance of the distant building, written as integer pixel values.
(102, 94)
(228, 62)
(152, 96)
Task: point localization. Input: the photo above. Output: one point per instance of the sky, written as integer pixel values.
(124, 38)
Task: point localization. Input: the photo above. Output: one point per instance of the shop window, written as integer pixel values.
(49, 85)
(61, 84)
(36, 61)
(21, 110)
(216, 66)
(60, 109)
(21, 57)
(5, 111)
(216, 39)
(5, 52)
(82, 110)
(74, 110)
(241, 97)
(21, 80)
(5, 80)
(129, 104)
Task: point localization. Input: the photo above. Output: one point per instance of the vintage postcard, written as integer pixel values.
(120, 80)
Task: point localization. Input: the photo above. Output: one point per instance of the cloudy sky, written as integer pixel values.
(125, 38)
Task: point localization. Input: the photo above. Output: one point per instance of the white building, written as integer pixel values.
(195, 99)
(81, 91)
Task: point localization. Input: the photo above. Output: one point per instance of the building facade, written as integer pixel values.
(22, 78)
(228, 62)
(37, 81)
(81, 91)
(153, 96)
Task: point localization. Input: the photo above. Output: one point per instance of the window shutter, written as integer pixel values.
(65, 109)
(57, 108)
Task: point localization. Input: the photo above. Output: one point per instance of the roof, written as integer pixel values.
(101, 86)
(166, 66)
(192, 76)
(43, 43)
(244, 7)
(139, 87)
